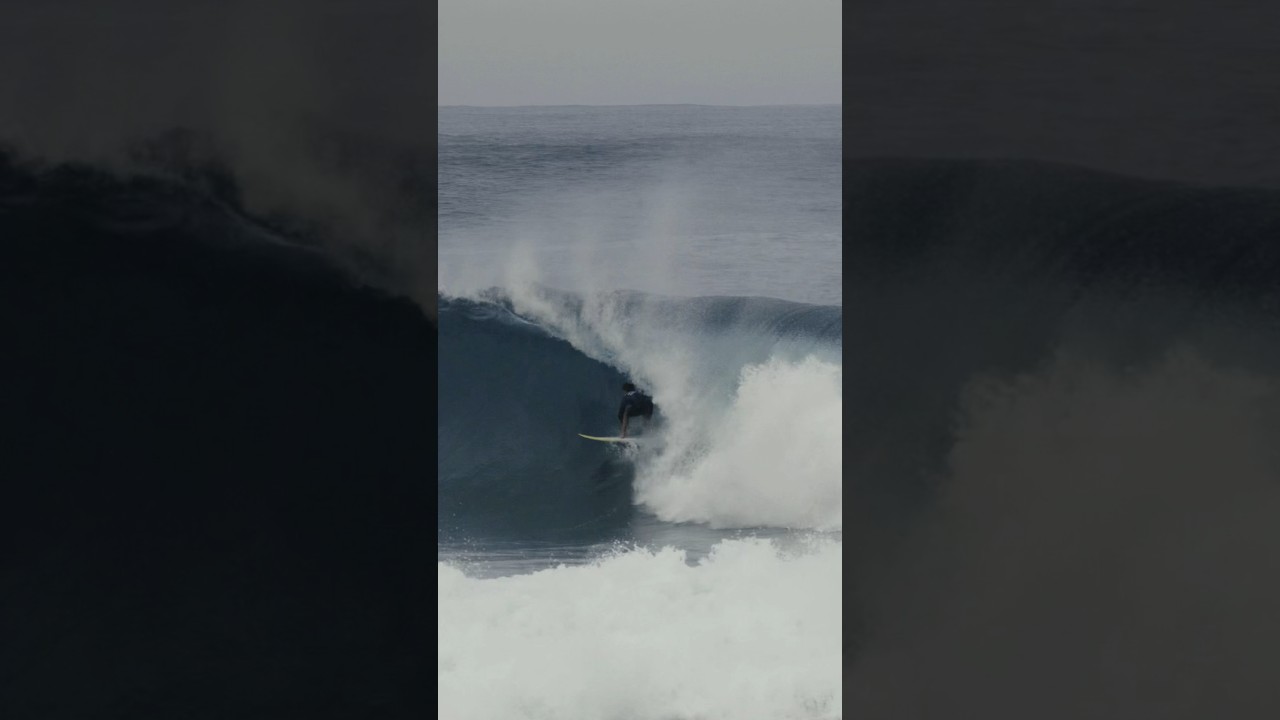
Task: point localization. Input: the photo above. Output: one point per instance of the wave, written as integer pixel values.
(1063, 383)
(512, 400)
(200, 413)
(748, 391)
(958, 269)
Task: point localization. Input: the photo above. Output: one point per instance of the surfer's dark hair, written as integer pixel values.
(628, 387)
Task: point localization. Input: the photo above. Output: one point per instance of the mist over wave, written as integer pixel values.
(669, 200)
(1061, 438)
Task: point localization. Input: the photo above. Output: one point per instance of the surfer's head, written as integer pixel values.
(628, 387)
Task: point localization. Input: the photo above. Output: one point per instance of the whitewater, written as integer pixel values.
(694, 251)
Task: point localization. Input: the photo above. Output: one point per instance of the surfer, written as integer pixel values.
(634, 404)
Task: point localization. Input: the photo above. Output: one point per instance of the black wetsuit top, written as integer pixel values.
(635, 404)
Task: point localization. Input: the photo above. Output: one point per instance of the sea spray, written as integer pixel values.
(773, 460)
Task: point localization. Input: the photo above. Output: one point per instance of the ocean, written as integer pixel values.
(696, 252)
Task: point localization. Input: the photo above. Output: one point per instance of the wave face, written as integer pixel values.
(735, 379)
(512, 400)
(1064, 389)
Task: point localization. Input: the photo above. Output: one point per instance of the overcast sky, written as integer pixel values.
(621, 52)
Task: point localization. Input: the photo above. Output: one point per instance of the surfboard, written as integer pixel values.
(608, 439)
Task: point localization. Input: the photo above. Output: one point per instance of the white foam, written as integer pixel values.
(773, 459)
(749, 632)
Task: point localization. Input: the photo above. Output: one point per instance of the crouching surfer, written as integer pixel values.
(634, 404)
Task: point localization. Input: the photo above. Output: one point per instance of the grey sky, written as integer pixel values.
(619, 52)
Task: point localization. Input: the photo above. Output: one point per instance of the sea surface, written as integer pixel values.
(696, 252)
